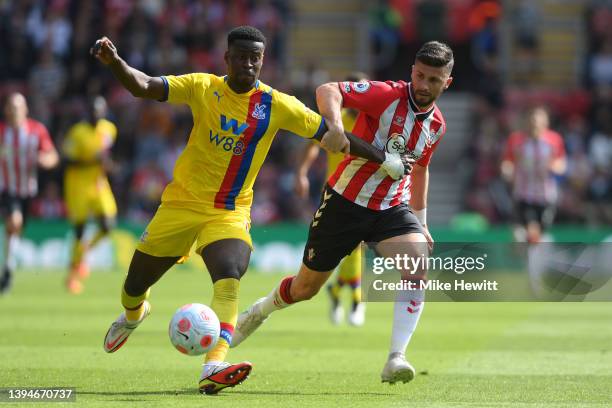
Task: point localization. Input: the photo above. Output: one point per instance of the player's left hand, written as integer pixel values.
(430, 241)
(334, 140)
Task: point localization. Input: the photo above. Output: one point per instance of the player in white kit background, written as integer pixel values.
(25, 145)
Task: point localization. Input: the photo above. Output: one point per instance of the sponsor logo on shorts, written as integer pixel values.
(311, 254)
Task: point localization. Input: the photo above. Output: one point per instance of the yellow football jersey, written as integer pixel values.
(333, 159)
(230, 139)
(86, 142)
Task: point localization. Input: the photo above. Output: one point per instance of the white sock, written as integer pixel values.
(278, 299)
(13, 246)
(406, 312)
(209, 367)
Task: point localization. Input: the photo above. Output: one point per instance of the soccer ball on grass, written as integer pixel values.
(194, 329)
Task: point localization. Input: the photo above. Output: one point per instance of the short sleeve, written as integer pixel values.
(45, 143)
(510, 146)
(296, 117)
(370, 97)
(558, 145)
(426, 158)
(184, 89)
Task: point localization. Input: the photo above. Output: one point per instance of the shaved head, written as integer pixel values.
(16, 109)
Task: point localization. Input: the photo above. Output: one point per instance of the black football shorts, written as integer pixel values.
(339, 225)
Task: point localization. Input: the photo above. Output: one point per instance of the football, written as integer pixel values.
(194, 329)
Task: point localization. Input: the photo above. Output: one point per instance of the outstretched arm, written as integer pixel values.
(138, 83)
(394, 164)
(329, 102)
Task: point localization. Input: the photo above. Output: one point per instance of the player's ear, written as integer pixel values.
(226, 56)
(448, 82)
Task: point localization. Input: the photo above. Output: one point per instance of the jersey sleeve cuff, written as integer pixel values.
(321, 130)
(166, 89)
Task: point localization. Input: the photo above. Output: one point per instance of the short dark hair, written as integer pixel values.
(245, 33)
(356, 76)
(436, 54)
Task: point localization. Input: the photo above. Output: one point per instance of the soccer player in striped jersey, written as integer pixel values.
(349, 270)
(360, 203)
(25, 145)
(531, 161)
(208, 201)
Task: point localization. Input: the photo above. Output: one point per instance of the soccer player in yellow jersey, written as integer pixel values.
(208, 201)
(86, 188)
(349, 270)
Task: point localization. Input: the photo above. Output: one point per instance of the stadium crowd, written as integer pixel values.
(44, 53)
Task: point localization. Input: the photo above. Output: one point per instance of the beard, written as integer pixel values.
(423, 101)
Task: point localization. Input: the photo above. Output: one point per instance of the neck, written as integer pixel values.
(17, 123)
(421, 108)
(239, 88)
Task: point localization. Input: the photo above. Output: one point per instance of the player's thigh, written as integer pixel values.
(338, 226)
(399, 232)
(220, 224)
(171, 232)
(145, 270)
(227, 258)
(104, 204)
(308, 282)
(14, 210)
(224, 242)
(77, 208)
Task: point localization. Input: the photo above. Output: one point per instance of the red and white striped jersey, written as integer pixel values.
(533, 181)
(19, 150)
(388, 119)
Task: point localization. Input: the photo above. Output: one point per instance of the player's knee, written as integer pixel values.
(226, 270)
(107, 224)
(79, 230)
(133, 287)
(14, 223)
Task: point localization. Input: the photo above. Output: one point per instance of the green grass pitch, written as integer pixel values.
(466, 355)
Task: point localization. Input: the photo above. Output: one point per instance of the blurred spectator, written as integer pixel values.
(49, 204)
(146, 189)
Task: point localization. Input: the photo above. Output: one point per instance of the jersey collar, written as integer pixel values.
(249, 93)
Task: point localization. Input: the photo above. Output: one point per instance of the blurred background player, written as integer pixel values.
(25, 145)
(532, 160)
(349, 270)
(87, 190)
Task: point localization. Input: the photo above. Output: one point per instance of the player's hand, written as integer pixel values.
(302, 186)
(334, 140)
(394, 165)
(104, 50)
(430, 241)
(408, 163)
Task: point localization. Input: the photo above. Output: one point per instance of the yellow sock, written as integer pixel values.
(225, 305)
(94, 241)
(78, 251)
(133, 305)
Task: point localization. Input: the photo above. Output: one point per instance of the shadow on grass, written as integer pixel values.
(192, 391)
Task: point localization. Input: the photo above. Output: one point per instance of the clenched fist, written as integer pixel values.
(104, 50)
